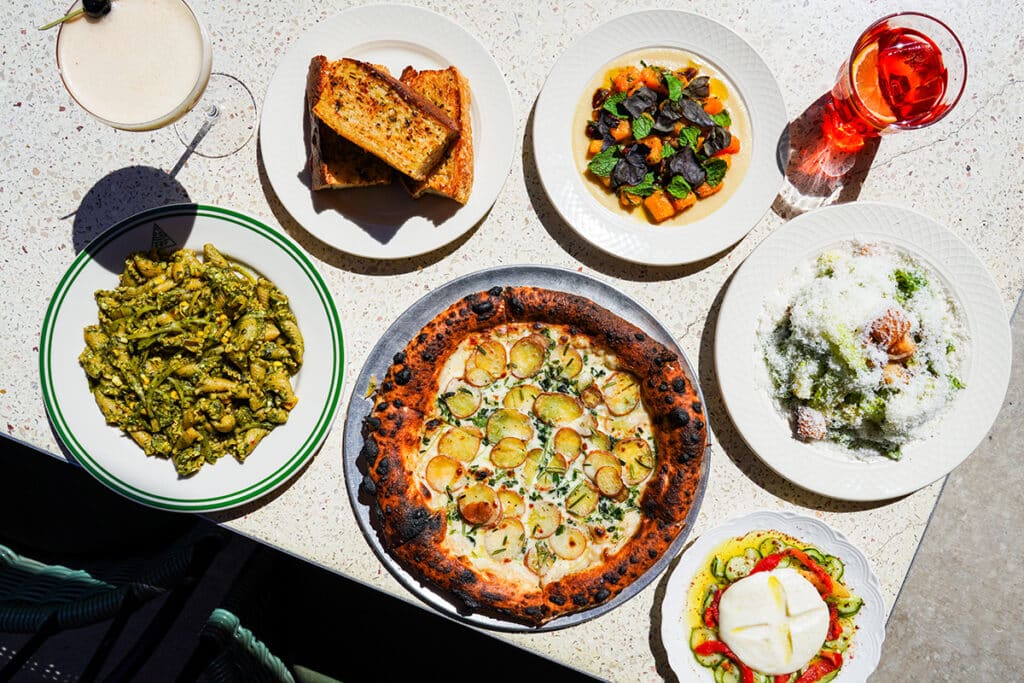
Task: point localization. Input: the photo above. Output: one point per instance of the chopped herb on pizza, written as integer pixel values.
(531, 454)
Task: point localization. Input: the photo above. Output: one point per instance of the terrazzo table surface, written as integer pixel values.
(65, 178)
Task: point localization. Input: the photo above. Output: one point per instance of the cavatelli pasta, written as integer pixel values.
(193, 357)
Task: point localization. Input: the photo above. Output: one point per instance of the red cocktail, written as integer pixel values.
(906, 71)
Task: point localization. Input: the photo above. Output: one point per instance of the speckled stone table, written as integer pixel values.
(65, 178)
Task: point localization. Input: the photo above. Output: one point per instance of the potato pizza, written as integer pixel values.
(531, 454)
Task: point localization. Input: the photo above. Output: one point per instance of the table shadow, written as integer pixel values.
(580, 249)
(657, 617)
(816, 173)
(379, 211)
(342, 260)
(120, 194)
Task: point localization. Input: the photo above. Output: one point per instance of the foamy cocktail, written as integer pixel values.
(138, 67)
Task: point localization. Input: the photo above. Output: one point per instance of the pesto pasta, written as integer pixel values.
(193, 358)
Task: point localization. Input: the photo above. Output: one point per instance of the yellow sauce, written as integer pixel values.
(734, 546)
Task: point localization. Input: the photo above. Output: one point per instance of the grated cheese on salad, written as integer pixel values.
(864, 348)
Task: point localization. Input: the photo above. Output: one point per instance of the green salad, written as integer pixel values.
(864, 349)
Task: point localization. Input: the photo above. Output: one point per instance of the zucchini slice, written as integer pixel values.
(835, 567)
(718, 567)
(771, 546)
(709, 597)
(842, 643)
(738, 567)
(815, 555)
(701, 635)
(847, 607)
(727, 672)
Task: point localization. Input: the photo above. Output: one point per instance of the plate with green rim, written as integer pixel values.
(114, 458)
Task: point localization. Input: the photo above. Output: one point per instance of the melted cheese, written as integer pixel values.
(541, 478)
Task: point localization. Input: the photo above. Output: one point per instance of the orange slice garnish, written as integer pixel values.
(865, 81)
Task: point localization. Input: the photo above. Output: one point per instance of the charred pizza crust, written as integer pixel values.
(413, 530)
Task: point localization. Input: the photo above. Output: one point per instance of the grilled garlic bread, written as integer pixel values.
(448, 89)
(334, 162)
(383, 116)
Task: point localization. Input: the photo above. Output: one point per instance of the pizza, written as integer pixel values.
(530, 454)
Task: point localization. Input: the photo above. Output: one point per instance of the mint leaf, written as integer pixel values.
(667, 150)
(604, 161)
(644, 188)
(688, 137)
(612, 104)
(642, 126)
(722, 118)
(678, 187)
(675, 88)
(715, 168)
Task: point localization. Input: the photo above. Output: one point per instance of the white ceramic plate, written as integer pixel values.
(114, 458)
(743, 376)
(631, 237)
(384, 222)
(862, 657)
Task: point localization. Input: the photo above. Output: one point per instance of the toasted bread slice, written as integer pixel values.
(334, 162)
(383, 116)
(449, 90)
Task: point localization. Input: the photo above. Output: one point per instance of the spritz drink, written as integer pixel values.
(906, 71)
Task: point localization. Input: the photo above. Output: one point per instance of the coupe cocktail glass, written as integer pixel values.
(147, 64)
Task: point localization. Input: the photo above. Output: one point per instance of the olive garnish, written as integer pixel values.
(96, 8)
(91, 8)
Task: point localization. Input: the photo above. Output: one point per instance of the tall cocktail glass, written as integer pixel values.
(906, 71)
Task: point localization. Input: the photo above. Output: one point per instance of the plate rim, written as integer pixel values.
(290, 466)
(386, 345)
(503, 130)
(787, 521)
(573, 202)
(874, 484)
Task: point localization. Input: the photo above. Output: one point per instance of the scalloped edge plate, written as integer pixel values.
(866, 649)
(626, 236)
(743, 377)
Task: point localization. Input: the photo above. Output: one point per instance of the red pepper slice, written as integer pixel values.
(835, 657)
(709, 647)
(766, 564)
(782, 678)
(818, 670)
(816, 569)
(711, 613)
(835, 629)
(713, 647)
